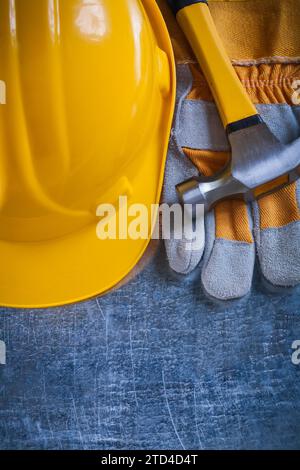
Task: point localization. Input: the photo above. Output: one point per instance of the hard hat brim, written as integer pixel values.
(78, 266)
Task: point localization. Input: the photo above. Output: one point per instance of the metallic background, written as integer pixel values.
(153, 365)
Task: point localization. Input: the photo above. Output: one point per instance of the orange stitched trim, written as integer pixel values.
(268, 84)
(280, 208)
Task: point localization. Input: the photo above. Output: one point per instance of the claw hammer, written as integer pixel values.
(260, 163)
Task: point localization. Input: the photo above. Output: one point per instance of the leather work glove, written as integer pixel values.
(231, 234)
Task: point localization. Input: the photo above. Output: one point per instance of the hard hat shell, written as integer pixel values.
(90, 88)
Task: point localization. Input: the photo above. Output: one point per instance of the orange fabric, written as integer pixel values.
(243, 26)
(268, 84)
(206, 161)
(231, 216)
(280, 208)
(271, 186)
(232, 221)
(255, 29)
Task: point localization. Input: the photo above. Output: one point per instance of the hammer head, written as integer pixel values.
(259, 164)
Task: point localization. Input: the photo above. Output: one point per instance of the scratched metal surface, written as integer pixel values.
(154, 365)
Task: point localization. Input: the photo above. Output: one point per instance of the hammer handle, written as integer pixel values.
(233, 103)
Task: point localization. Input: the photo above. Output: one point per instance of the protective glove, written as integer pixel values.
(233, 230)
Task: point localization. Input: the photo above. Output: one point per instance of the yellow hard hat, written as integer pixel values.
(89, 98)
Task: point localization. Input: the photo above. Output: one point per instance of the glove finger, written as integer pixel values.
(229, 254)
(196, 125)
(229, 257)
(277, 216)
(277, 233)
(183, 254)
